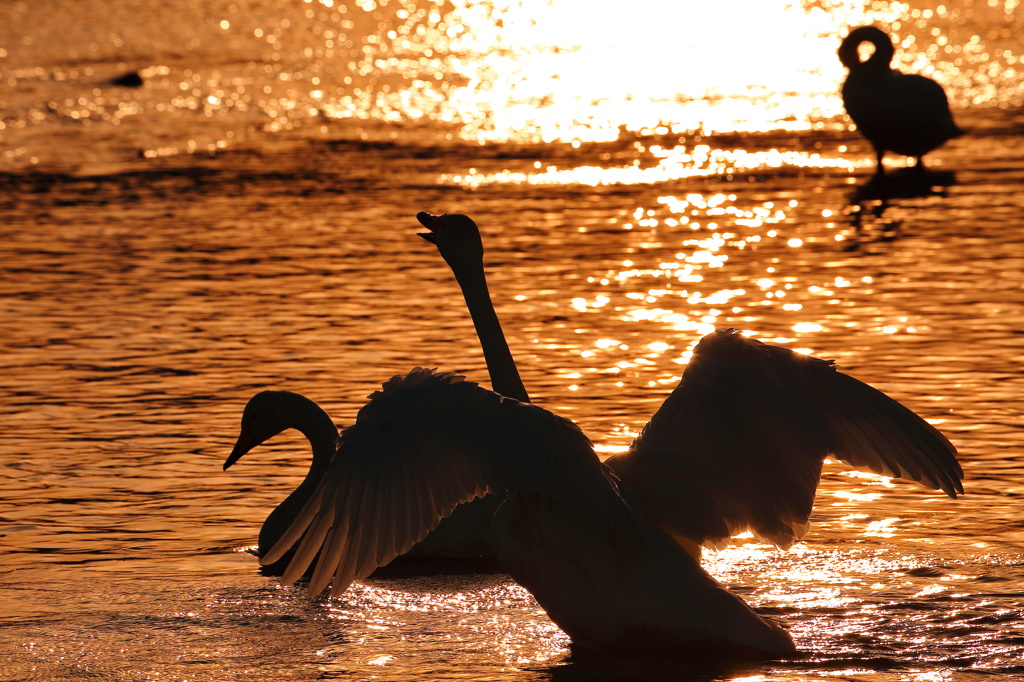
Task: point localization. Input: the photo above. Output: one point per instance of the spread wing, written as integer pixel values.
(740, 442)
(423, 444)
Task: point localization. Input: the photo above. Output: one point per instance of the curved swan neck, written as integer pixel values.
(501, 366)
(879, 60)
(316, 425)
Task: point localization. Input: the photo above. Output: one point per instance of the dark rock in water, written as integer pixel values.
(132, 79)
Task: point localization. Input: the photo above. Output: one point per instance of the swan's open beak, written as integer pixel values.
(246, 442)
(429, 221)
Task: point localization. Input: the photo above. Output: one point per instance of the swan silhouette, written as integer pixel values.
(740, 442)
(465, 536)
(903, 113)
(267, 414)
(568, 531)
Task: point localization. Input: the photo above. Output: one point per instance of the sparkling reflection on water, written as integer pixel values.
(150, 289)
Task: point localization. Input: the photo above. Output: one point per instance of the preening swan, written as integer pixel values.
(903, 113)
(739, 444)
(567, 531)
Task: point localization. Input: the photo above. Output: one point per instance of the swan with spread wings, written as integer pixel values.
(568, 530)
(610, 550)
(739, 443)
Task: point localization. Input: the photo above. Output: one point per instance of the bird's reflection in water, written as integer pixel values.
(590, 667)
(869, 201)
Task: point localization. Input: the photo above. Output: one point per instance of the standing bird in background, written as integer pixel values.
(898, 112)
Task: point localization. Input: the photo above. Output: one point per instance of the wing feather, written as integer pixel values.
(320, 533)
(872, 431)
(422, 445)
(389, 525)
(741, 441)
(307, 548)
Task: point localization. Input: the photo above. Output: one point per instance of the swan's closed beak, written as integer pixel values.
(246, 442)
(429, 221)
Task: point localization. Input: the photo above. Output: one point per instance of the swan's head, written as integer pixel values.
(456, 237)
(266, 415)
(879, 60)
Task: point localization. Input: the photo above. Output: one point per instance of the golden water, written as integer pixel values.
(642, 174)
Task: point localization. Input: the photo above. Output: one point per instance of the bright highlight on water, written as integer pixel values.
(205, 201)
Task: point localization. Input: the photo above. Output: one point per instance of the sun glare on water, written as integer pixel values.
(583, 71)
(592, 71)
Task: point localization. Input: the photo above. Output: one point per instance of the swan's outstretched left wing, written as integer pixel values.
(423, 444)
(740, 442)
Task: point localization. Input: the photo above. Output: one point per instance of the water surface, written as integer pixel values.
(244, 220)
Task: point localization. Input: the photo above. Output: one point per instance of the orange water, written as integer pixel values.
(160, 270)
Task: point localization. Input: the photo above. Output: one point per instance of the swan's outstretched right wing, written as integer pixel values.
(423, 444)
(740, 442)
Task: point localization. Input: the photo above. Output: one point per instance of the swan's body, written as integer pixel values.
(567, 531)
(739, 444)
(903, 113)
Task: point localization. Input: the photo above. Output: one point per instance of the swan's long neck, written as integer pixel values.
(502, 368)
(316, 425)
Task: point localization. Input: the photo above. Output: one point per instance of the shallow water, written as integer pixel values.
(245, 220)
